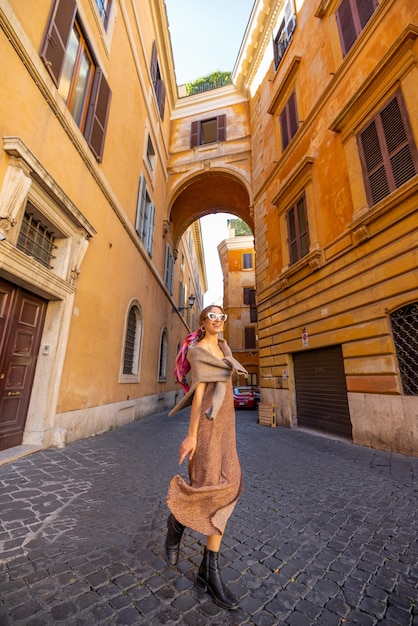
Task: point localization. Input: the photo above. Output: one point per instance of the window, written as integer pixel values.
(289, 121)
(405, 332)
(352, 17)
(79, 80)
(387, 151)
(162, 363)
(104, 10)
(150, 154)
(247, 261)
(145, 217)
(157, 81)
(250, 338)
(287, 21)
(36, 237)
(208, 131)
(168, 268)
(297, 225)
(132, 345)
(249, 299)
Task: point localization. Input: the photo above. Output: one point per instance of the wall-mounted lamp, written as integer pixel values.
(190, 302)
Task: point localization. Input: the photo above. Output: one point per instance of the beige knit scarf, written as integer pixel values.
(206, 368)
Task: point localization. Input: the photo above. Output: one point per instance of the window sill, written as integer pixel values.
(312, 261)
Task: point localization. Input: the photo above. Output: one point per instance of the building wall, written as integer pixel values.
(236, 278)
(362, 259)
(102, 265)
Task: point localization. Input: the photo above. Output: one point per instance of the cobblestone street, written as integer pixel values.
(324, 533)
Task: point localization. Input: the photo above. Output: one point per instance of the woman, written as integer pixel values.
(206, 504)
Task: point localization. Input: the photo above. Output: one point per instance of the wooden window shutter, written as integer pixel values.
(55, 44)
(284, 130)
(346, 25)
(365, 9)
(161, 98)
(289, 120)
(387, 151)
(293, 114)
(221, 128)
(154, 62)
(98, 114)
(195, 135)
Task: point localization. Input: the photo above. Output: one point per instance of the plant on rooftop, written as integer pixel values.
(210, 81)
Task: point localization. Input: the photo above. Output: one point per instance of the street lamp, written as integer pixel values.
(190, 302)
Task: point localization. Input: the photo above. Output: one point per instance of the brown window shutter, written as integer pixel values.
(55, 44)
(195, 135)
(365, 9)
(346, 25)
(98, 114)
(161, 98)
(293, 114)
(283, 128)
(402, 166)
(387, 151)
(154, 62)
(221, 128)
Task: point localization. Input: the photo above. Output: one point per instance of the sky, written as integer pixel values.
(205, 37)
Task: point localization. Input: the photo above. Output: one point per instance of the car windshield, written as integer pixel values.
(242, 390)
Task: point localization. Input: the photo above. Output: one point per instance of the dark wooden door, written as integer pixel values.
(321, 391)
(22, 316)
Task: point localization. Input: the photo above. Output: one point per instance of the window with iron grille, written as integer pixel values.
(387, 150)
(352, 17)
(36, 240)
(131, 351)
(405, 332)
(297, 225)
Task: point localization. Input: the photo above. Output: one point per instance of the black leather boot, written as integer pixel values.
(172, 542)
(209, 578)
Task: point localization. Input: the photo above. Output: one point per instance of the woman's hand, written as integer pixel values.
(187, 447)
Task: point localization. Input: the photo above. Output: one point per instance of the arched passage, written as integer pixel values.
(210, 192)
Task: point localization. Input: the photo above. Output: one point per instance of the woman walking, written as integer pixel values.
(206, 503)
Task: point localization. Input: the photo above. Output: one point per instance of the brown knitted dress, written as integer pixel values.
(214, 472)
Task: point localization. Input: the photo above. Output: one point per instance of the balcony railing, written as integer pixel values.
(191, 89)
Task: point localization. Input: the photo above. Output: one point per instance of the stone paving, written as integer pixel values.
(325, 533)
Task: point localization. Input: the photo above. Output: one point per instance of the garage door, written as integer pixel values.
(321, 392)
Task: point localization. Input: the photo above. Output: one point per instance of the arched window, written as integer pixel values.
(162, 362)
(132, 346)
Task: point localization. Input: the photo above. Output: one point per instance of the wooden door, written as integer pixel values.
(22, 316)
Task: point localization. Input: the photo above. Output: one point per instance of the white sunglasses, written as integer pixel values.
(217, 317)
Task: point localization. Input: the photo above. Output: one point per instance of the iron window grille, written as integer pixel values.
(130, 342)
(404, 323)
(36, 240)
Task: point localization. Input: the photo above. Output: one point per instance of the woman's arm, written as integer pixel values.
(188, 445)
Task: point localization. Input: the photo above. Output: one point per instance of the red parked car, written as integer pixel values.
(244, 398)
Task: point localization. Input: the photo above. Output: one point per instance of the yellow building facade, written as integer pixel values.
(237, 259)
(94, 300)
(335, 216)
